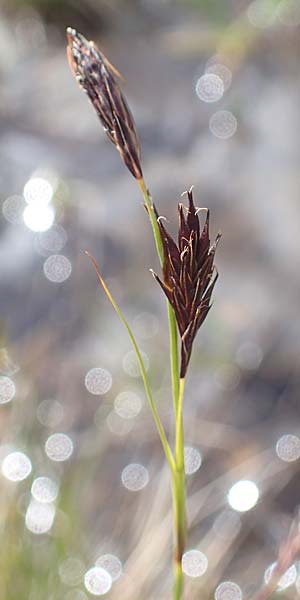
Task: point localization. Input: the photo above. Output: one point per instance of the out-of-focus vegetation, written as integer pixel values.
(241, 152)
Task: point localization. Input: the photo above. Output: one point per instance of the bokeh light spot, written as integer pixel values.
(7, 390)
(16, 466)
(38, 217)
(38, 189)
(115, 423)
(135, 477)
(288, 13)
(131, 365)
(227, 590)
(287, 579)
(57, 268)
(12, 209)
(223, 124)
(210, 87)
(194, 563)
(111, 564)
(50, 413)
(261, 13)
(127, 404)
(98, 381)
(97, 581)
(59, 447)
(145, 325)
(39, 517)
(221, 71)
(243, 495)
(249, 355)
(71, 571)
(44, 489)
(288, 448)
(7, 365)
(192, 460)
(53, 240)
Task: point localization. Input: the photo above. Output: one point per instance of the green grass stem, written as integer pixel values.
(174, 364)
(179, 498)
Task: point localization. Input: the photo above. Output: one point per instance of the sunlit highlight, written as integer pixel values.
(38, 216)
(44, 489)
(222, 71)
(210, 88)
(97, 581)
(57, 268)
(192, 460)
(135, 477)
(16, 466)
(98, 381)
(111, 564)
(194, 563)
(38, 189)
(287, 579)
(39, 517)
(7, 390)
(288, 448)
(59, 447)
(243, 495)
(227, 590)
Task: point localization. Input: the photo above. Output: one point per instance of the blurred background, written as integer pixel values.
(214, 88)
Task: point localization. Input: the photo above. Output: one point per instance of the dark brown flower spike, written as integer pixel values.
(189, 275)
(99, 79)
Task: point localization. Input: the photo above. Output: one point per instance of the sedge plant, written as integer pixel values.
(188, 271)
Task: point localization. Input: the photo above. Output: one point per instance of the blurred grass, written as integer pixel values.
(236, 427)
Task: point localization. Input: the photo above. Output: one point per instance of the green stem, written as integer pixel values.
(178, 582)
(171, 316)
(178, 473)
(173, 356)
(153, 220)
(179, 441)
(179, 498)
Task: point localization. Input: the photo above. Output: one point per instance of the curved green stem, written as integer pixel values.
(171, 316)
(156, 417)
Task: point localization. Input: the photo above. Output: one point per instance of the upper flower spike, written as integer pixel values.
(189, 275)
(98, 78)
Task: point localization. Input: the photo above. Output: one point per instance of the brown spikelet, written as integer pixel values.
(189, 275)
(99, 79)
